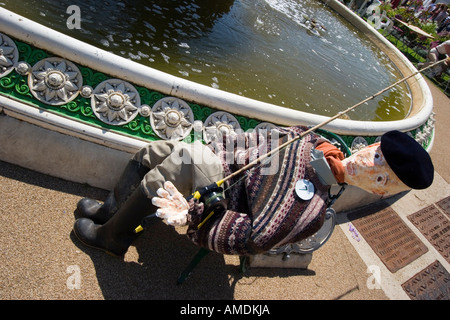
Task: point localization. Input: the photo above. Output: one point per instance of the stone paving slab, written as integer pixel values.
(432, 283)
(435, 226)
(444, 205)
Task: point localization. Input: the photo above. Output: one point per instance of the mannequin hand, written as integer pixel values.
(173, 207)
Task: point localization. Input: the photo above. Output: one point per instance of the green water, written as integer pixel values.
(261, 49)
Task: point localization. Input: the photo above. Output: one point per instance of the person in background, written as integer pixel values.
(440, 52)
(395, 3)
(441, 15)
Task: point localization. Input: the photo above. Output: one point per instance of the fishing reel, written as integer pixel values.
(213, 200)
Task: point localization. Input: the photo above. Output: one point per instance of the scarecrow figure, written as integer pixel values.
(273, 204)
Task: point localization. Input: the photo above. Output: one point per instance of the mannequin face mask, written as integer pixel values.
(368, 170)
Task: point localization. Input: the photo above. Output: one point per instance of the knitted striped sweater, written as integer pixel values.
(264, 210)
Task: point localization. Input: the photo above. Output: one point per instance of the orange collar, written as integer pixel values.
(334, 156)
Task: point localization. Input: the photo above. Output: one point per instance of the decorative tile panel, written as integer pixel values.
(55, 81)
(115, 102)
(219, 123)
(172, 118)
(8, 55)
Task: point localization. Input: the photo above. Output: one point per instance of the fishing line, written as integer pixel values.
(339, 114)
(197, 194)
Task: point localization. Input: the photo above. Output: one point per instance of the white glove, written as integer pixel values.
(173, 207)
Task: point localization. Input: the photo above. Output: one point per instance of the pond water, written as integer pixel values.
(296, 54)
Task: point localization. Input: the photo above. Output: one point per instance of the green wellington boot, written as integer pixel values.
(129, 180)
(117, 234)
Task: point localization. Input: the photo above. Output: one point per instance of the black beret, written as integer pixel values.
(408, 159)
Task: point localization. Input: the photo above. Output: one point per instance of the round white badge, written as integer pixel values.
(304, 189)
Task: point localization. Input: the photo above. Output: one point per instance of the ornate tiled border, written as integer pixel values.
(35, 77)
(57, 85)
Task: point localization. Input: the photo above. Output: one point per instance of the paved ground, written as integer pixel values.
(41, 258)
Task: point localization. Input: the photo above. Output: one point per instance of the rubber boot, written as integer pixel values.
(129, 180)
(117, 234)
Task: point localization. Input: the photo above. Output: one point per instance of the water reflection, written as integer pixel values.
(268, 50)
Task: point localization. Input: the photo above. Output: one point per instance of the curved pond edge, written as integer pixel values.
(115, 66)
(67, 138)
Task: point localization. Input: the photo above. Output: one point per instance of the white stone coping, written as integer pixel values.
(79, 52)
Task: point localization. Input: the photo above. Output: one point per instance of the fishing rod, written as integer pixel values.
(215, 200)
(339, 114)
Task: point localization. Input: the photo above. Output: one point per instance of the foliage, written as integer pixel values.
(407, 14)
